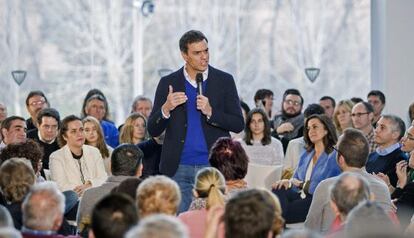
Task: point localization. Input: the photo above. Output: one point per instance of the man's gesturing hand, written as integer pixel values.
(173, 100)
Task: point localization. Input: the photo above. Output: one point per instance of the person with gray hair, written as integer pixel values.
(368, 219)
(159, 226)
(390, 129)
(347, 192)
(43, 210)
(142, 105)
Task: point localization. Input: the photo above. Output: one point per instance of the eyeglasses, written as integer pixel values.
(359, 114)
(291, 102)
(338, 153)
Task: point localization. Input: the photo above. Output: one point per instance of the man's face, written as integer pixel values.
(292, 105)
(407, 141)
(361, 119)
(328, 106)
(48, 129)
(36, 103)
(96, 108)
(376, 103)
(144, 107)
(385, 135)
(196, 57)
(3, 112)
(16, 133)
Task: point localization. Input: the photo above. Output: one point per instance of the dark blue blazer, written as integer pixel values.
(226, 115)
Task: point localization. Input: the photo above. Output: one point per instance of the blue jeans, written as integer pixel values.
(71, 204)
(185, 177)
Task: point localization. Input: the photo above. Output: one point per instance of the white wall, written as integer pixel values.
(392, 52)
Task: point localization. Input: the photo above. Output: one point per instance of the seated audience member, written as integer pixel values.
(45, 134)
(328, 104)
(13, 130)
(134, 130)
(94, 137)
(16, 178)
(35, 101)
(342, 115)
(278, 222)
(76, 166)
(152, 149)
(347, 192)
(113, 216)
(260, 146)
(362, 116)
(264, 99)
(289, 124)
(5, 218)
(352, 157)
(229, 157)
(249, 214)
(356, 100)
(3, 115)
(43, 210)
(158, 226)
(403, 193)
(316, 164)
(390, 129)
(142, 105)
(297, 146)
(377, 99)
(29, 150)
(96, 105)
(368, 219)
(209, 190)
(125, 163)
(158, 194)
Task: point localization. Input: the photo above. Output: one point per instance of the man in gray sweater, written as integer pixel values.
(352, 154)
(126, 162)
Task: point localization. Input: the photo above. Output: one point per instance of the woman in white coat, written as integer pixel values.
(76, 166)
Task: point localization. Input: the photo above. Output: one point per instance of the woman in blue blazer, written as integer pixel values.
(317, 163)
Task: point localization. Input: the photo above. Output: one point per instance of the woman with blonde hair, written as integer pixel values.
(94, 137)
(209, 190)
(342, 116)
(158, 194)
(134, 130)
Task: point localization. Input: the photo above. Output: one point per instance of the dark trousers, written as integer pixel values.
(294, 208)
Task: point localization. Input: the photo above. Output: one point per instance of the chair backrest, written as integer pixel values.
(262, 176)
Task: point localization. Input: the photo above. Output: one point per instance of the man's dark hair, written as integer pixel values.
(125, 160)
(333, 102)
(262, 94)
(113, 216)
(6, 124)
(244, 106)
(356, 100)
(48, 112)
(313, 109)
(368, 107)
(379, 94)
(354, 147)
(292, 91)
(36, 93)
(348, 191)
(248, 214)
(397, 124)
(191, 37)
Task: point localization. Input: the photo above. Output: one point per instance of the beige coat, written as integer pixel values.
(65, 171)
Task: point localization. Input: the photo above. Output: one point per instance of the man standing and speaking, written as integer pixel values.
(194, 106)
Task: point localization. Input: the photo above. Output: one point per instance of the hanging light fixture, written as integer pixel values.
(19, 76)
(312, 73)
